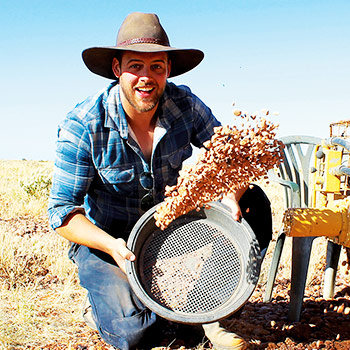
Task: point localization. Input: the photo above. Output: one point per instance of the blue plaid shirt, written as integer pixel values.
(98, 165)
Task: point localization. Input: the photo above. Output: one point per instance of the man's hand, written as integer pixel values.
(231, 200)
(234, 207)
(120, 253)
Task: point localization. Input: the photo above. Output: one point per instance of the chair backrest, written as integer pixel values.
(296, 168)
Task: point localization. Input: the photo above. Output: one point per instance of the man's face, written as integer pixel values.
(142, 78)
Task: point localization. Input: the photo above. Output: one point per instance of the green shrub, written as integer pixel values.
(38, 185)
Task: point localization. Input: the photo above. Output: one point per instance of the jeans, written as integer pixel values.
(121, 319)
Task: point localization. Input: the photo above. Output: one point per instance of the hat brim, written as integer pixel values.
(99, 59)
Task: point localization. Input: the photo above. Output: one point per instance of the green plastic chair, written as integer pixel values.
(294, 176)
(332, 261)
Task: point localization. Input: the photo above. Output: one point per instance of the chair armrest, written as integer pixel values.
(295, 200)
(292, 185)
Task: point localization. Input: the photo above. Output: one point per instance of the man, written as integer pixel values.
(116, 151)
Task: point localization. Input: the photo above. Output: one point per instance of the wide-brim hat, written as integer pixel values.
(141, 32)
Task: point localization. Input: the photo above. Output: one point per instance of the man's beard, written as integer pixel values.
(141, 105)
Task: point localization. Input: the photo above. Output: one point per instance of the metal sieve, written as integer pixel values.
(202, 268)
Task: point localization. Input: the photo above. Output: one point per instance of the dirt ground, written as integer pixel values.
(324, 324)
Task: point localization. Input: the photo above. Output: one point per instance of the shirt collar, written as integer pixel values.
(115, 115)
(169, 111)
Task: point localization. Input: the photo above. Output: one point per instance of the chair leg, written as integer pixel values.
(300, 262)
(274, 266)
(333, 253)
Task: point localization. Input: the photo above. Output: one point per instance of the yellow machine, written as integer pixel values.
(330, 212)
(319, 205)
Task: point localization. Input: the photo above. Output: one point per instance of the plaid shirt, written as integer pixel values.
(98, 164)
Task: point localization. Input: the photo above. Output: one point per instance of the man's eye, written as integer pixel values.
(135, 66)
(157, 67)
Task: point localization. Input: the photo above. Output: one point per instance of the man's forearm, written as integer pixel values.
(78, 229)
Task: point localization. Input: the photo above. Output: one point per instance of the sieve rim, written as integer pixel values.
(234, 302)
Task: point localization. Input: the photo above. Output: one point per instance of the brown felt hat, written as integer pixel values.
(141, 32)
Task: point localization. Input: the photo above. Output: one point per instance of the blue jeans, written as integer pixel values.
(120, 317)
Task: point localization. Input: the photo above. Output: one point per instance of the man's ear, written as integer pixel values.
(116, 67)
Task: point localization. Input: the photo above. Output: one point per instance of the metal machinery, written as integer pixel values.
(330, 185)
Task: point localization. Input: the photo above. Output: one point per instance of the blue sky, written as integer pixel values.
(287, 56)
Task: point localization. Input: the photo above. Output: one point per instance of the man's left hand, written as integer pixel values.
(232, 201)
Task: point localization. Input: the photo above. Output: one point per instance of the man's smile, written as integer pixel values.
(145, 89)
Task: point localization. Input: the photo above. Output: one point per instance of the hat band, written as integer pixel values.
(143, 41)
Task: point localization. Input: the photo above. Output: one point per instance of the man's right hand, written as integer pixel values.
(120, 253)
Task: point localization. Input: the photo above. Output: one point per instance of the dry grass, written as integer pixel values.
(38, 286)
(14, 176)
(40, 296)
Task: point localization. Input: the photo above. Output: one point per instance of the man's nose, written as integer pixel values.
(146, 73)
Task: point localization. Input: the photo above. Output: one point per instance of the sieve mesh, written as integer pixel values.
(190, 267)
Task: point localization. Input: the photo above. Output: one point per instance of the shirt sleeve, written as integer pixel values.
(204, 122)
(73, 172)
